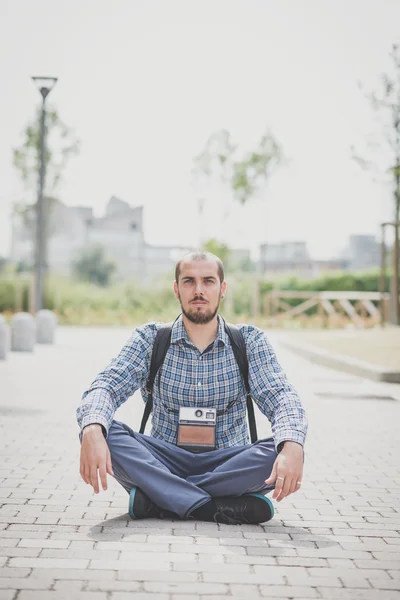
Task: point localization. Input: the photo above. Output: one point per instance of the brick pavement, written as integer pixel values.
(338, 538)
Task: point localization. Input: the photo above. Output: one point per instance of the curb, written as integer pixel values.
(340, 362)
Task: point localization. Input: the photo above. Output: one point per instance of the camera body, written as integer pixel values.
(196, 428)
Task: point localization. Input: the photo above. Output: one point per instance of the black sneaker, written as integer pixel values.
(248, 509)
(141, 507)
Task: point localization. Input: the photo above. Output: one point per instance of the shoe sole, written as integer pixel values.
(268, 501)
(131, 502)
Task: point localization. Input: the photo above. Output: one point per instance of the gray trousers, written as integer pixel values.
(181, 481)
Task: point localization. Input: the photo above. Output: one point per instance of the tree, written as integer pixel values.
(3, 264)
(244, 174)
(219, 249)
(61, 146)
(386, 104)
(93, 266)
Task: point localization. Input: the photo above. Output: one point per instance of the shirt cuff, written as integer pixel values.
(288, 435)
(92, 419)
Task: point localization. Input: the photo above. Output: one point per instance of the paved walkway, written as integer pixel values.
(338, 538)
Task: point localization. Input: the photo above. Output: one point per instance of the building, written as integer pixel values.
(119, 231)
(285, 257)
(293, 258)
(363, 252)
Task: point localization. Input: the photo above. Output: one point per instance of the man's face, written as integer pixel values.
(199, 290)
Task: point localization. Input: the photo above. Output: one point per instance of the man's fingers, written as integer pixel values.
(293, 487)
(272, 477)
(278, 487)
(298, 482)
(87, 473)
(285, 489)
(94, 480)
(109, 465)
(103, 477)
(82, 471)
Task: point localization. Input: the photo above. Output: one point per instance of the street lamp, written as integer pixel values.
(44, 85)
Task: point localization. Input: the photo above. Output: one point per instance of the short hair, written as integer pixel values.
(200, 255)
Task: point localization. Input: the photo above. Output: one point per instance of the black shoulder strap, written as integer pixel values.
(160, 348)
(239, 350)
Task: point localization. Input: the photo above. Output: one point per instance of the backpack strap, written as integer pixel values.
(240, 353)
(161, 344)
(160, 348)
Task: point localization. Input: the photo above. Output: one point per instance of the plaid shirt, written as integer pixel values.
(189, 377)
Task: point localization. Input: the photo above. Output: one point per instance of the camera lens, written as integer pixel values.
(199, 413)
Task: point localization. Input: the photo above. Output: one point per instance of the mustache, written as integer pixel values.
(198, 299)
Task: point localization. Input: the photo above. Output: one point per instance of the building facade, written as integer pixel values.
(119, 231)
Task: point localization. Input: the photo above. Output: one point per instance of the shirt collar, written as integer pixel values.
(179, 332)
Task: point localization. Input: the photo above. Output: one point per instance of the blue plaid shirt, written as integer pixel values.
(189, 377)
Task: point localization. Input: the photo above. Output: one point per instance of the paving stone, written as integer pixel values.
(356, 594)
(202, 549)
(79, 574)
(113, 586)
(212, 567)
(7, 594)
(9, 572)
(255, 578)
(186, 588)
(286, 591)
(68, 586)
(26, 584)
(61, 595)
(156, 575)
(12, 552)
(139, 596)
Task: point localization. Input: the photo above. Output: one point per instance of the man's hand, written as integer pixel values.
(287, 471)
(95, 457)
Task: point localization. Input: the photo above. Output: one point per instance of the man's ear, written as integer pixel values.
(223, 289)
(176, 291)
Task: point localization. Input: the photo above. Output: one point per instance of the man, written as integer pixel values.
(227, 484)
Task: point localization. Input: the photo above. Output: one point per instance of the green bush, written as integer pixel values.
(342, 282)
(77, 302)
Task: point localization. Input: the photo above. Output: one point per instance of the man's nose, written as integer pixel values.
(199, 288)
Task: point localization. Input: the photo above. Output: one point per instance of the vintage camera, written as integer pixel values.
(196, 428)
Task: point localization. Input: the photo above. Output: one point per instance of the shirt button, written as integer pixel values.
(199, 384)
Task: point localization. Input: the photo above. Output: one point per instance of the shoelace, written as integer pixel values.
(231, 515)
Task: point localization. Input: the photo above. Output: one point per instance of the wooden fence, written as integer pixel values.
(363, 309)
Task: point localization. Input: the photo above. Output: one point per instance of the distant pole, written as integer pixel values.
(396, 290)
(200, 210)
(382, 280)
(45, 85)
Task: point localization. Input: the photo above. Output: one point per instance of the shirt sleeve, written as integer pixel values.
(119, 380)
(272, 392)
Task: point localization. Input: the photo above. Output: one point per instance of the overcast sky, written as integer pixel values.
(145, 82)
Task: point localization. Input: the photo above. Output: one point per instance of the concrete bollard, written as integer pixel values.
(4, 338)
(46, 322)
(23, 332)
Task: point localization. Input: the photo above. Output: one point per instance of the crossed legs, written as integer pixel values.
(180, 481)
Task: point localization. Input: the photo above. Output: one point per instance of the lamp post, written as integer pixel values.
(44, 85)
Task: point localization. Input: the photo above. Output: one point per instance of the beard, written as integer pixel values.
(199, 317)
